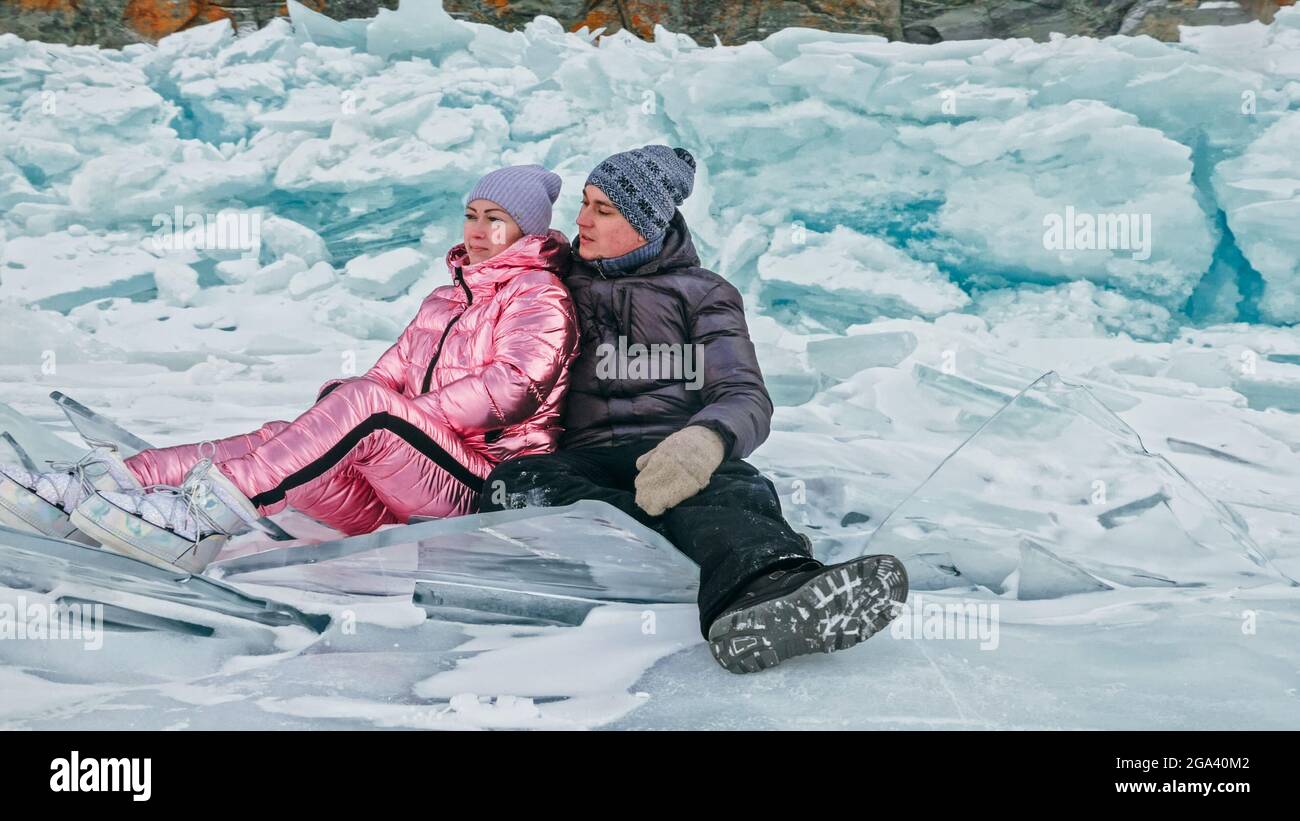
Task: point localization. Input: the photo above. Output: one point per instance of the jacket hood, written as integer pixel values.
(678, 252)
(550, 252)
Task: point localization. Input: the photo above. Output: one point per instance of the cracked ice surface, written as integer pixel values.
(1137, 532)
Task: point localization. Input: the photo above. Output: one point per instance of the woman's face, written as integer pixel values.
(489, 230)
(603, 231)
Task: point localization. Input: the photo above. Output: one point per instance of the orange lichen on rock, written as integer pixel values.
(644, 28)
(643, 16)
(65, 6)
(596, 18)
(158, 18)
(640, 15)
(210, 13)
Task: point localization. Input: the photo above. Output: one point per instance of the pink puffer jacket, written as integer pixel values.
(488, 356)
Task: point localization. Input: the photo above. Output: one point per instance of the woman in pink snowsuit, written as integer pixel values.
(479, 376)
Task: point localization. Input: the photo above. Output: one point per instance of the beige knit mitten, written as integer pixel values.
(677, 468)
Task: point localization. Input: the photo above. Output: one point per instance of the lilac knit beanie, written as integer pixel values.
(526, 192)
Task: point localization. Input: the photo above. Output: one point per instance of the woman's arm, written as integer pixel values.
(533, 343)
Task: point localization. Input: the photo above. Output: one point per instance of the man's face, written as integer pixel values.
(604, 231)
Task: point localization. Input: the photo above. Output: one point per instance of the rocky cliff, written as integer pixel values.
(116, 23)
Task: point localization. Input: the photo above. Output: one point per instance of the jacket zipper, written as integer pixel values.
(469, 300)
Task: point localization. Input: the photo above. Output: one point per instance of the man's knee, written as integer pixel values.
(523, 470)
(740, 485)
(520, 482)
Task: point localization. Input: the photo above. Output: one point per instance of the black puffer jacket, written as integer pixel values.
(672, 300)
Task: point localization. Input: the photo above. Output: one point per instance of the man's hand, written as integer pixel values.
(677, 468)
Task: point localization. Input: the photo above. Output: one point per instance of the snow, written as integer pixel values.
(385, 275)
(281, 236)
(1260, 190)
(843, 276)
(417, 28)
(178, 283)
(316, 278)
(883, 207)
(276, 277)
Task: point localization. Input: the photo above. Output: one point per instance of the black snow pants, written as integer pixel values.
(733, 528)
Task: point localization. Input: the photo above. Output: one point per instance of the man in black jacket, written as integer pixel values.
(665, 400)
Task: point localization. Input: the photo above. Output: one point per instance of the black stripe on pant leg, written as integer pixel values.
(406, 431)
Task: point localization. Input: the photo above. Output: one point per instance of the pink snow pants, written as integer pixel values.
(361, 457)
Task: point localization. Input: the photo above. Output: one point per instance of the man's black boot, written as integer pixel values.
(811, 608)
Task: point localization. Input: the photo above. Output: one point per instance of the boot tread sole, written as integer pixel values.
(832, 611)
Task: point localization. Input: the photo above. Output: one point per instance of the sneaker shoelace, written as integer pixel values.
(92, 465)
(193, 492)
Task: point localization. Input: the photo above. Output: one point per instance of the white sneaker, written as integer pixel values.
(179, 528)
(41, 502)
